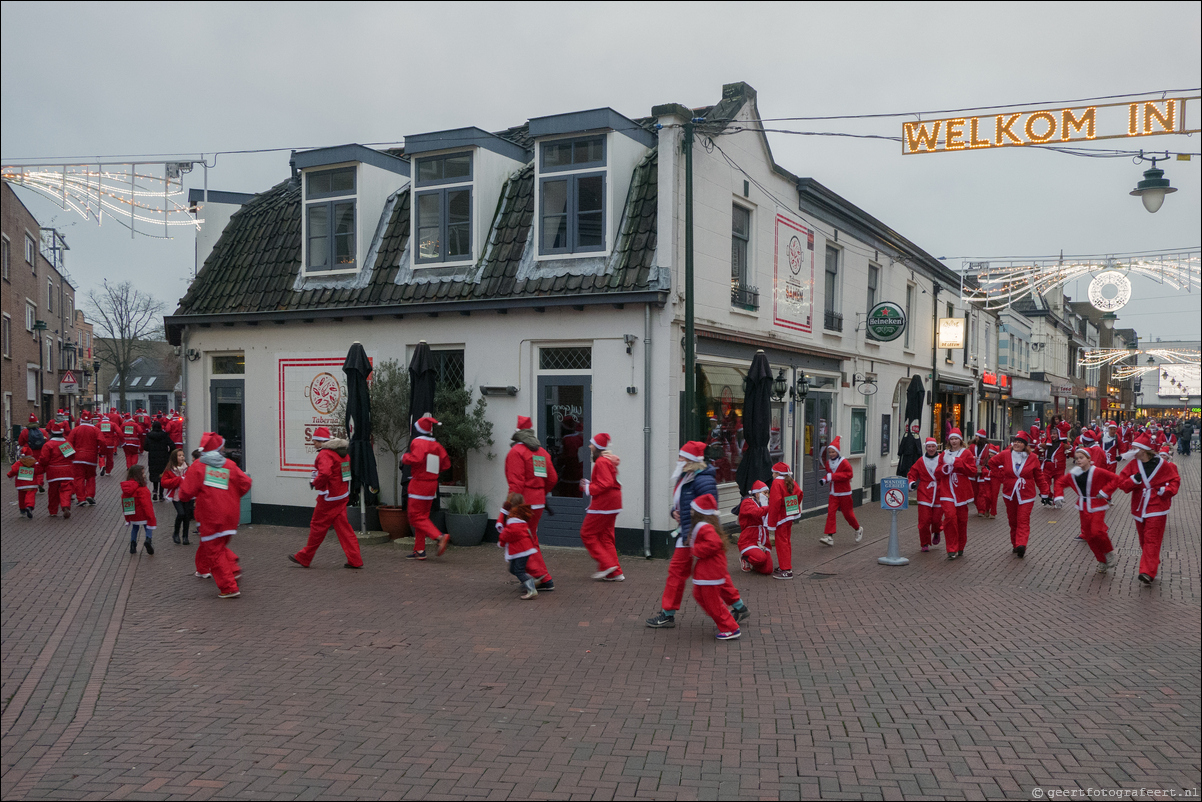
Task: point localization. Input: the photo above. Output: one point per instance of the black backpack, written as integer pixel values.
(36, 439)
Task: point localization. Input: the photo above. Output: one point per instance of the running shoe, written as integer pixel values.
(736, 632)
(781, 573)
(233, 595)
(442, 544)
(661, 621)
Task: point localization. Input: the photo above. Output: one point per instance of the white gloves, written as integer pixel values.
(1160, 492)
(584, 486)
(1059, 503)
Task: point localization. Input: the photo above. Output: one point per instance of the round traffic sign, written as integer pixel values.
(895, 499)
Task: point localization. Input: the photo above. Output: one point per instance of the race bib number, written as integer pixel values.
(791, 505)
(218, 478)
(540, 467)
(106, 426)
(66, 448)
(25, 474)
(127, 506)
(129, 429)
(346, 471)
(432, 463)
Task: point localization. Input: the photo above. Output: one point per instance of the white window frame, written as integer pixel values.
(6, 257)
(31, 252)
(329, 200)
(50, 296)
(31, 317)
(6, 335)
(572, 175)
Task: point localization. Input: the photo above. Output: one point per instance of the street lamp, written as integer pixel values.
(1154, 186)
(779, 386)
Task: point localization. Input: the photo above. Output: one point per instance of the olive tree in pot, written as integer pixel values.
(464, 429)
(390, 430)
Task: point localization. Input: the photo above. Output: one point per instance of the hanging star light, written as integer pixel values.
(126, 193)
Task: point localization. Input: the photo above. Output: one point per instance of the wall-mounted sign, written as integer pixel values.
(1062, 390)
(951, 332)
(1109, 291)
(793, 275)
(989, 378)
(1048, 126)
(886, 321)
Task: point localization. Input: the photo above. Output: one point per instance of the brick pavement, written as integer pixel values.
(126, 677)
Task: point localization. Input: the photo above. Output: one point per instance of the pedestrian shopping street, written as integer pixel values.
(987, 677)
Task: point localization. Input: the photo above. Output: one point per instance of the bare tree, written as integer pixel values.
(126, 322)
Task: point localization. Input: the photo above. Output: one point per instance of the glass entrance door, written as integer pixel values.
(565, 427)
(818, 425)
(228, 419)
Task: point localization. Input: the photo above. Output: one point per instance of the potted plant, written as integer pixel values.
(390, 431)
(465, 428)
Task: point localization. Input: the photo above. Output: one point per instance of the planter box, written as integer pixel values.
(394, 521)
(466, 530)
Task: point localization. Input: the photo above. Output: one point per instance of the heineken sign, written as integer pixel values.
(886, 321)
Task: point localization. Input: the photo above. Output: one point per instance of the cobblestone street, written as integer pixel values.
(125, 677)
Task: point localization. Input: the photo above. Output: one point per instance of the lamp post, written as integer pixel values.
(1154, 186)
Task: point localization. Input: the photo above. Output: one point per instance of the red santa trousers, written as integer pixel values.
(85, 481)
(131, 457)
(986, 497)
(759, 559)
(597, 532)
(679, 570)
(27, 499)
(534, 563)
(784, 545)
(1019, 516)
(213, 556)
(1095, 533)
(1151, 534)
(838, 504)
(713, 599)
(419, 522)
(928, 523)
(107, 456)
(58, 494)
(955, 525)
(329, 514)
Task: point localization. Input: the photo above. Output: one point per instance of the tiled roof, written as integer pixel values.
(255, 265)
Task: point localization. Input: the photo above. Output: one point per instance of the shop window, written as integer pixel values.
(565, 358)
(720, 406)
(859, 429)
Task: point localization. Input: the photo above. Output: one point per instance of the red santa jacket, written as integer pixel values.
(1151, 491)
(131, 435)
(23, 437)
(110, 433)
(56, 459)
(85, 439)
(530, 472)
(136, 504)
(1054, 458)
(425, 452)
(752, 532)
(332, 472)
(218, 492)
(175, 428)
(783, 506)
(171, 480)
(955, 467)
(604, 487)
(27, 471)
(838, 476)
(710, 568)
(980, 461)
(1020, 484)
(924, 475)
(515, 538)
(1099, 487)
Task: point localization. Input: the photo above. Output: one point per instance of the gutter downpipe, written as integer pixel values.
(689, 424)
(935, 288)
(647, 431)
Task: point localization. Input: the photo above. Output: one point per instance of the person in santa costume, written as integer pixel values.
(713, 588)
(131, 441)
(693, 477)
(87, 442)
(1094, 486)
(174, 427)
(838, 476)
(111, 431)
(1112, 444)
(1054, 459)
(426, 459)
(217, 485)
(784, 507)
(956, 467)
(57, 460)
(27, 474)
(138, 509)
(755, 551)
(1021, 482)
(518, 543)
(331, 478)
(1152, 483)
(984, 494)
(39, 439)
(530, 472)
(605, 502)
(924, 476)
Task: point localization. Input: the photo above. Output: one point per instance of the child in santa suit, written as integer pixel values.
(838, 476)
(137, 508)
(924, 476)
(530, 473)
(784, 507)
(605, 492)
(1152, 483)
(1021, 482)
(692, 478)
(1094, 486)
(983, 491)
(517, 542)
(710, 574)
(131, 441)
(426, 459)
(755, 552)
(87, 442)
(27, 474)
(217, 485)
(956, 465)
(173, 477)
(56, 460)
(331, 478)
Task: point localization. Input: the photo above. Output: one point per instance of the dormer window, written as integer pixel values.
(572, 195)
(443, 208)
(330, 220)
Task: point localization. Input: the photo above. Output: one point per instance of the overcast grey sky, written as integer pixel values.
(93, 80)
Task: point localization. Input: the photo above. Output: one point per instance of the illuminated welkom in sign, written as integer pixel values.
(1049, 126)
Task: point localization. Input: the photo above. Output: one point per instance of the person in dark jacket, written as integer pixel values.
(908, 451)
(158, 447)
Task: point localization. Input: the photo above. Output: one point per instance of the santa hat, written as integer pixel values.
(1083, 450)
(1022, 437)
(211, 441)
(57, 427)
(693, 451)
(321, 433)
(33, 419)
(982, 433)
(1110, 424)
(782, 468)
(1086, 436)
(955, 433)
(759, 487)
(85, 415)
(600, 440)
(524, 423)
(1144, 442)
(26, 451)
(837, 445)
(706, 504)
(930, 441)
(426, 424)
